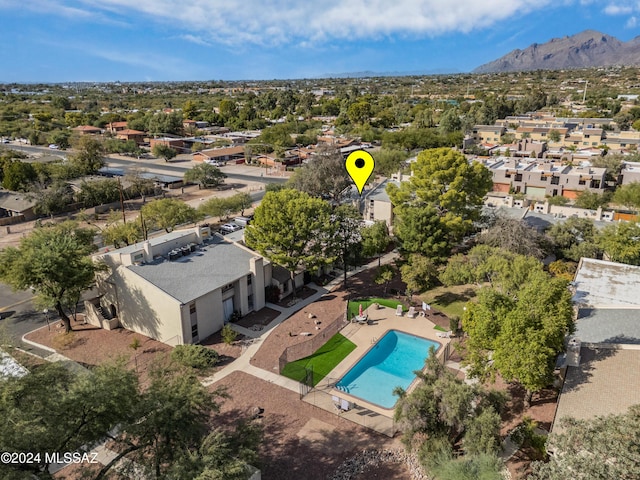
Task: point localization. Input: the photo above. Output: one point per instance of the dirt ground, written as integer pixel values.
(301, 441)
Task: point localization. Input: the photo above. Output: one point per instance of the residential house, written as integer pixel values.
(115, 127)
(128, 134)
(376, 204)
(17, 206)
(538, 179)
(87, 130)
(630, 173)
(224, 154)
(602, 368)
(180, 287)
(176, 144)
(488, 133)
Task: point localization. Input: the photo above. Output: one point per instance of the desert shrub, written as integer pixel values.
(194, 356)
(228, 334)
(64, 341)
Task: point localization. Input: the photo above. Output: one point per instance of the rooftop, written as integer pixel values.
(188, 278)
(608, 325)
(606, 382)
(599, 283)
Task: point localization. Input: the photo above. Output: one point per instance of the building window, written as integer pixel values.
(518, 177)
(555, 180)
(543, 178)
(581, 182)
(507, 175)
(595, 183)
(194, 332)
(192, 308)
(228, 287)
(249, 279)
(250, 302)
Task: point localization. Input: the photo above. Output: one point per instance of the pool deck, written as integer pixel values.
(380, 321)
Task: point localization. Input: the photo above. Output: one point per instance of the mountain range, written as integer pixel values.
(582, 50)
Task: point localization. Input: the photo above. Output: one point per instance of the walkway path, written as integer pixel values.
(243, 364)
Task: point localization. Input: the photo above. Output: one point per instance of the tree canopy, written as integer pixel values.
(604, 447)
(205, 175)
(444, 195)
(167, 213)
(292, 229)
(54, 261)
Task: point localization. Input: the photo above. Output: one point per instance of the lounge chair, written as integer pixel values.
(444, 334)
(345, 405)
(412, 312)
(362, 319)
(399, 311)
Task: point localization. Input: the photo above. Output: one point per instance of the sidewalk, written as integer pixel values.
(243, 364)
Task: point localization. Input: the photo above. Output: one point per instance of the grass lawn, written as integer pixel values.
(450, 300)
(322, 361)
(354, 305)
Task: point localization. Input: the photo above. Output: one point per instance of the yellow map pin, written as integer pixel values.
(359, 165)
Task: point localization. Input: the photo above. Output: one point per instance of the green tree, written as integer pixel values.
(628, 195)
(389, 161)
(375, 240)
(448, 190)
(167, 213)
(88, 157)
(189, 110)
(346, 237)
(218, 207)
(119, 234)
(619, 242)
(471, 467)
(17, 175)
(324, 175)
(604, 447)
(98, 192)
(525, 334)
(554, 135)
(53, 199)
(592, 200)
(515, 236)
(575, 238)
(228, 109)
(359, 112)
(54, 261)
(242, 201)
(205, 175)
(291, 228)
(60, 138)
(161, 150)
(384, 275)
(53, 410)
(419, 273)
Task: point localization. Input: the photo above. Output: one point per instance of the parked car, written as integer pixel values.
(215, 163)
(53, 146)
(229, 227)
(242, 221)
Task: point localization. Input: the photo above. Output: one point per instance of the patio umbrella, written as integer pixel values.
(360, 310)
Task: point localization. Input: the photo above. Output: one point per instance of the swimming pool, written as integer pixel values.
(388, 364)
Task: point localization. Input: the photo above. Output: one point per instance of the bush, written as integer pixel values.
(228, 334)
(64, 341)
(194, 356)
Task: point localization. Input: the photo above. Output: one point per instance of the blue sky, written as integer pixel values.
(159, 40)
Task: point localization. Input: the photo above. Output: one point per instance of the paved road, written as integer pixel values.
(177, 167)
(18, 316)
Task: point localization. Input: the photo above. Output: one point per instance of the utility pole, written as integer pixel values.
(584, 96)
(124, 217)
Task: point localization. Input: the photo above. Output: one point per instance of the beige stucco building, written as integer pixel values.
(181, 287)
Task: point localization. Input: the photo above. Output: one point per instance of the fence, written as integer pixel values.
(356, 413)
(308, 347)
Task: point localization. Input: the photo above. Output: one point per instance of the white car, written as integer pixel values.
(230, 227)
(53, 146)
(215, 163)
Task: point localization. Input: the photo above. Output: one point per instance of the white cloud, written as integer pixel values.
(294, 22)
(631, 23)
(194, 39)
(617, 9)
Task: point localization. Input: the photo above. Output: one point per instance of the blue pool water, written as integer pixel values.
(388, 364)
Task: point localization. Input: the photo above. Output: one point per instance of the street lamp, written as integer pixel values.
(46, 316)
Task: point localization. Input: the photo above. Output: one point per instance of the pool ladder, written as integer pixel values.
(374, 340)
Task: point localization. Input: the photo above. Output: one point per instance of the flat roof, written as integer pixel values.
(213, 266)
(608, 325)
(606, 382)
(600, 283)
